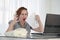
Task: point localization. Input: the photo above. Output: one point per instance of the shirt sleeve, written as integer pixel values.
(31, 27)
(14, 25)
(10, 21)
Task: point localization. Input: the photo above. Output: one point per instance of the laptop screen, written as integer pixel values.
(52, 23)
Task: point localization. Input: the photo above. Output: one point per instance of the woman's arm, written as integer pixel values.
(11, 25)
(40, 28)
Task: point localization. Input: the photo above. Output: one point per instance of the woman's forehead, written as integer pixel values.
(24, 11)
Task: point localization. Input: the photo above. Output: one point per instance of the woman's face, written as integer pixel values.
(23, 15)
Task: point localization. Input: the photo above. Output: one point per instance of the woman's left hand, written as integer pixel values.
(37, 18)
(40, 28)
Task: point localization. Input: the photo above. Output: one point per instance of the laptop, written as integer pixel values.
(52, 25)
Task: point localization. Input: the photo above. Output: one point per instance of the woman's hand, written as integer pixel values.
(37, 18)
(11, 25)
(15, 19)
(40, 28)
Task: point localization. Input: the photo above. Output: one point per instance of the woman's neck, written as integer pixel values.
(22, 23)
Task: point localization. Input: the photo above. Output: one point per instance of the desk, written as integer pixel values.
(31, 38)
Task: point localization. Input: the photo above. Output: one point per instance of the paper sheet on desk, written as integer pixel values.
(2, 34)
(20, 32)
(31, 20)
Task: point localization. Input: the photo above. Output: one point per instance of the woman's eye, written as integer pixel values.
(22, 14)
(25, 14)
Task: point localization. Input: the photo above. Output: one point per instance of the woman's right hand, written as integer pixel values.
(15, 19)
(11, 25)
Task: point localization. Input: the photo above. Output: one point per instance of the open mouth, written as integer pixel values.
(24, 19)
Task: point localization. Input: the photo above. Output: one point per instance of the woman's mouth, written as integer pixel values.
(23, 19)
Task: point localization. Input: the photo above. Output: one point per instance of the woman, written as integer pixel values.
(19, 21)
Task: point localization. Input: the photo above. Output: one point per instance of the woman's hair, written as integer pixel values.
(18, 12)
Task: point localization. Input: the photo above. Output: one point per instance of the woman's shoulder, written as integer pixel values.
(29, 25)
(10, 21)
